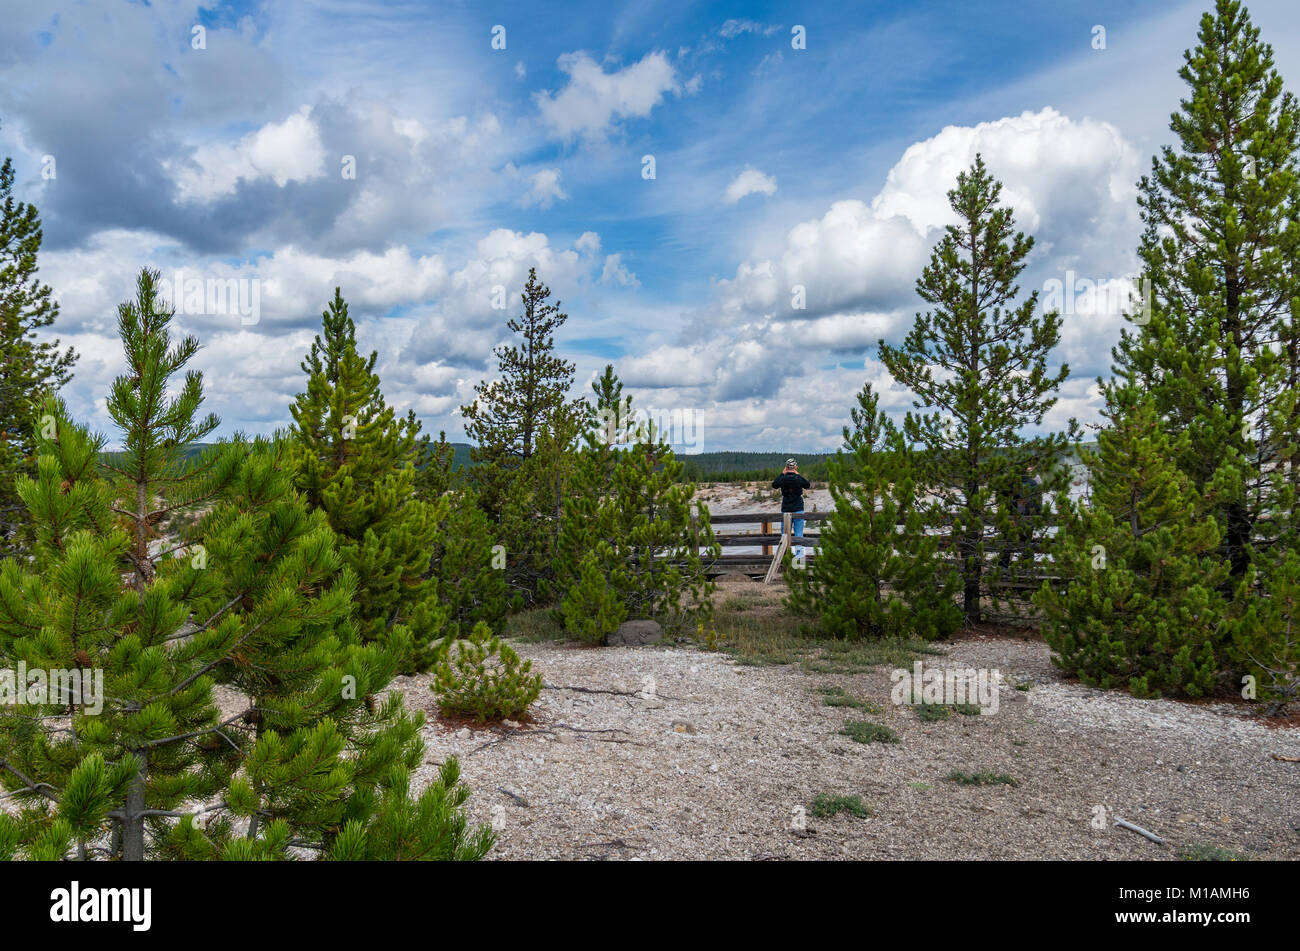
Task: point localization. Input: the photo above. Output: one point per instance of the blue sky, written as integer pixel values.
(823, 167)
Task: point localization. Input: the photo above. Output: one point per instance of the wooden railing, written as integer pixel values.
(774, 544)
(776, 536)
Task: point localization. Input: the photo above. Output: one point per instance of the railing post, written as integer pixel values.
(774, 568)
(767, 530)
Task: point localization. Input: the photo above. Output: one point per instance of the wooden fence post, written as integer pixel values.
(781, 549)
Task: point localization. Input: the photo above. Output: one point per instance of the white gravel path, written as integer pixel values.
(716, 764)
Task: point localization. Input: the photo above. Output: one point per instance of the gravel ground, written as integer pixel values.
(717, 763)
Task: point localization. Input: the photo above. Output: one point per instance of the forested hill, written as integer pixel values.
(740, 466)
(723, 466)
(459, 458)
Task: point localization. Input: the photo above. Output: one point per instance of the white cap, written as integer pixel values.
(791, 462)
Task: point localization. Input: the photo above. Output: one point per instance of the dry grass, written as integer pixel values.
(754, 625)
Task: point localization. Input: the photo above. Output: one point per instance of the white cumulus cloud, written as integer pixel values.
(749, 182)
(288, 151)
(593, 100)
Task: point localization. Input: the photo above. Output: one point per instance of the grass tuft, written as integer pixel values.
(1205, 852)
(982, 779)
(863, 731)
(838, 697)
(825, 806)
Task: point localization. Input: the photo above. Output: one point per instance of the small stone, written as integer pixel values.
(713, 767)
(681, 726)
(462, 733)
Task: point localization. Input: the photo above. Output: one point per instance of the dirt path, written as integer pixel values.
(715, 764)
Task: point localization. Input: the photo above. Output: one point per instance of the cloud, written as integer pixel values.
(289, 151)
(749, 182)
(616, 273)
(229, 148)
(433, 321)
(593, 100)
(1070, 184)
(752, 352)
(733, 28)
(544, 190)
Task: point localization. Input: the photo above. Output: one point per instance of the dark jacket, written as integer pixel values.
(791, 485)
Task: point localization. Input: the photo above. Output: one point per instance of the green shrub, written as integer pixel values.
(482, 677)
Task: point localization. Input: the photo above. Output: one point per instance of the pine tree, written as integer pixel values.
(1217, 345)
(979, 363)
(870, 579)
(250, 595)
(28, 367)
(1268, 635)
(524, 429)
(607, 418)
(593, 606)
(1141, 607)
(645, 540)
(355, 461)
(512, 413)
(1265, 627)
(466, 563)
(436, 473)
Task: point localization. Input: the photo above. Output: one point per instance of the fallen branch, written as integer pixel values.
(578, 729)
(518, 799)
(616, 693)
(1286, 759)
(640, 694)
(1125, 824)
(545, 731)
(505, 736)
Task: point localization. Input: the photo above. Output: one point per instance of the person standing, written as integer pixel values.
(792, 484)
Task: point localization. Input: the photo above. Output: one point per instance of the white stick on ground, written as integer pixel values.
(1125, 824)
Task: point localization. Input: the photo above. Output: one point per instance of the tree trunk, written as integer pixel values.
(133, 814)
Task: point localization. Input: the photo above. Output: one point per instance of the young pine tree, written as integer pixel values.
(1217, 346)
(355, 461)
(647, 546)
(607, 420)
(297, 754)
(1142, 606)
(466, 563)
(979, 362)
(871, 579)
(28, 367)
